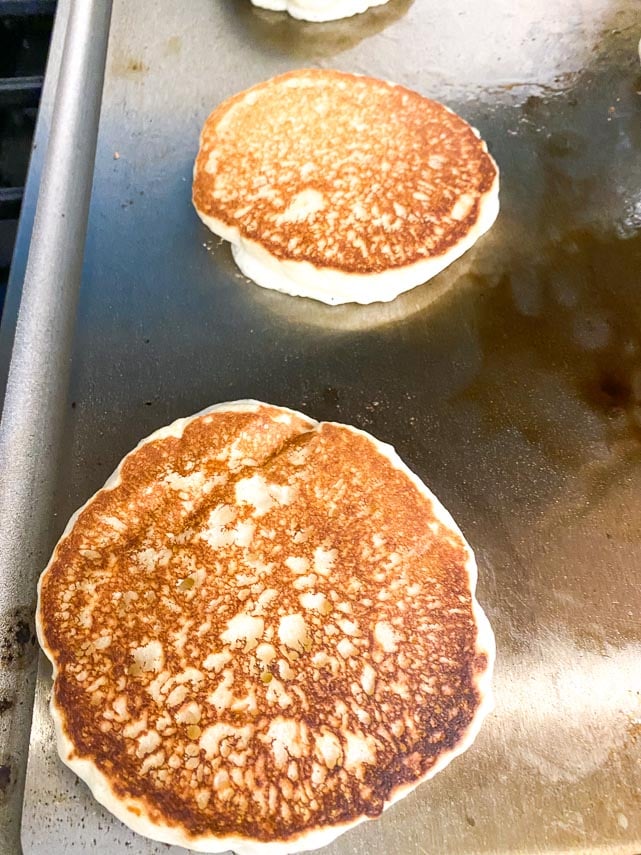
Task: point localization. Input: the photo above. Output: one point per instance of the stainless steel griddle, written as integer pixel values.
(511, 383)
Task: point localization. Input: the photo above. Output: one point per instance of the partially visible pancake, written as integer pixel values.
(341, 187)
(319, 10)
(263, 631)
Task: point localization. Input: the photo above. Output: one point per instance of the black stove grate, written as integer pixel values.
(25, 33)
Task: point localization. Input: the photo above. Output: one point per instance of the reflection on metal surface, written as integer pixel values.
(350, 317)
(566, 728)
(278, 32)
(516, 394)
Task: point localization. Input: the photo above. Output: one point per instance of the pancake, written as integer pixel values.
(340, 187)
(263, 632)
(319, 10)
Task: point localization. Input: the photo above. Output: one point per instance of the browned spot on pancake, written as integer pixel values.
(262, 629)
(343, 171)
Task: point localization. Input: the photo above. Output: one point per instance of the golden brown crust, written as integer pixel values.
(392, 178)
(261, 629)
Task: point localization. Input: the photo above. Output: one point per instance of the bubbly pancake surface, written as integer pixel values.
(362, 181)
(263, 631)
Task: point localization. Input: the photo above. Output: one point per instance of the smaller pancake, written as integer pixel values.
(341, 187)
(319, 10)
(263, 632)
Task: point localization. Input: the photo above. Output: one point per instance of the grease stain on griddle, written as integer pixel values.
(569, 389)
(634, 730)
(17, 639)
(559, 321)
(7, 780)
(136, 65)
(123, 65)
(612, 391)
(174, 46)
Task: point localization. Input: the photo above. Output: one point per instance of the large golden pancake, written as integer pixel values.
(319, 10)
(341, 187)
(263, 631)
